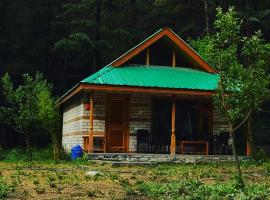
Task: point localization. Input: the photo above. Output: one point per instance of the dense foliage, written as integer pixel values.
(30, 106)
(68, 37)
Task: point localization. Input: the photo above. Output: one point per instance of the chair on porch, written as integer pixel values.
(143, 141)
(161, 144)
(223, 143)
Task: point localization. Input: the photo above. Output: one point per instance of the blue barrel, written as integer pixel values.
(76, 152)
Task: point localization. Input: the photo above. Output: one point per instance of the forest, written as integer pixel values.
(67, 40)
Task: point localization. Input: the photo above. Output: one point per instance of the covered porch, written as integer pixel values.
(150, 123)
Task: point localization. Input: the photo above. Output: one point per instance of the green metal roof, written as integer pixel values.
(154, 76)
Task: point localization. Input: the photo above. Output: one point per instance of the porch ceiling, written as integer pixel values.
(155, 77)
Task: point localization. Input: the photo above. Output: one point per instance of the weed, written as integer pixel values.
(130, 190)
(113, 176)
(25, 193)
(4, 189)
(52, 184)
(238, 182)
(59, 189)
(260, 156)
(35, 182)
(51, 178)
(59, 175)
(91, 193)
(40, 190)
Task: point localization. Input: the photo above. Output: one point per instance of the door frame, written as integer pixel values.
(126, 98)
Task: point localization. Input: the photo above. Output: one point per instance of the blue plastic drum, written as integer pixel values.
(76, 152)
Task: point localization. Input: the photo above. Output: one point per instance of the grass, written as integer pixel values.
(45, 178)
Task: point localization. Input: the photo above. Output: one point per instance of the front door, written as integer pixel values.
(117, 123)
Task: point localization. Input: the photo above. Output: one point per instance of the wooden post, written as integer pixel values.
(147, 56)
(248, 149)
(173, 59)
(173, 139)
(248, 140)
(91, 125)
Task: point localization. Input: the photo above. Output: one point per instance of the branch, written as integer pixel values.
(264, 111)
(17, 130)
(239, 125)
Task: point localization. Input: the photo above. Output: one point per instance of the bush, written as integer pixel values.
(19, 155)
(4, 189)
(40, 190)
(260, 156)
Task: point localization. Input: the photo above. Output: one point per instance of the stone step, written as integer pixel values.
(160, 158)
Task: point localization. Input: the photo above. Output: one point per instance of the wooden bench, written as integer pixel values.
(196, 144)
(99, 138)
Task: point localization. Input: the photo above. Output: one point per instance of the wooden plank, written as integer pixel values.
(91, 125)
(69, 94)
(149, 90)
(173, 59)
(138, 49)
(173, 139)
(164, 91)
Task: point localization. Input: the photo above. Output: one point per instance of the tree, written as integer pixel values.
(30, 106)
(49, 118)
(243, 87)
(86, 19)
(256, 52)
(21, 111)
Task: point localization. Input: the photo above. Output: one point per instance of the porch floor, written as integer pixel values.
(160, 158)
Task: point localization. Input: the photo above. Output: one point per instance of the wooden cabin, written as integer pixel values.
(155, 98)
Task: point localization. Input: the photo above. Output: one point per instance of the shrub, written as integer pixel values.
(40, 190)
(4, 189)
(260, 156)
(19, 155)
(267, 168)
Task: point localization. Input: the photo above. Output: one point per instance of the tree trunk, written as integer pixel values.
(249, 138)
(206, 16)
(236, 160)
(58, 151)
(28, 146)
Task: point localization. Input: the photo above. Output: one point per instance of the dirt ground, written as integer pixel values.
(70, 180)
